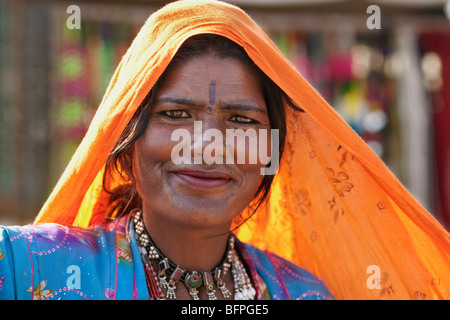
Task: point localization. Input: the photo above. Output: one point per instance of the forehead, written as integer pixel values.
(231, 78)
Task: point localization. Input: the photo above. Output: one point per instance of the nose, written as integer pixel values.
(208, 144)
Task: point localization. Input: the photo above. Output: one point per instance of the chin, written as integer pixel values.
(204, 212)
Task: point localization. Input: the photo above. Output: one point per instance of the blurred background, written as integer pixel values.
(391, 84)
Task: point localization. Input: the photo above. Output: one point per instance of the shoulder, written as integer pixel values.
(48, 238)
(286, 280)
(37, 261)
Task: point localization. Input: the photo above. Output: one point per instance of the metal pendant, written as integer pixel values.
(192, 281)
(174, 277)
(209, 285)
(218, 276)
(171, 291)
(194, 294)
(224, 290)
(163, 266)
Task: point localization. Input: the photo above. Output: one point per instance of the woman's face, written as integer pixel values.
(219, 94)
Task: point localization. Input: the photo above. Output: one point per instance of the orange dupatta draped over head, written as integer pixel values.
(335, 209)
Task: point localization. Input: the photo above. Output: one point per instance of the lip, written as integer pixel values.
(203, 179)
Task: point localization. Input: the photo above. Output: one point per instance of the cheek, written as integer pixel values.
(253, 150)
(246, 191)
(252, 173)
(152, 151)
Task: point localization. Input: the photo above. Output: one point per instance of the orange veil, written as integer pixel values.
(335, 208)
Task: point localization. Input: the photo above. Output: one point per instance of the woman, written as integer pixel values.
(333, 207)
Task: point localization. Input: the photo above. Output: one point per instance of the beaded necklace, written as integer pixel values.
(169, 273)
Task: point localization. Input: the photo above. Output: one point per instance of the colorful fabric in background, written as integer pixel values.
(5, 109)
(437, 43)
(352, 77)
(87, 58)
(335, 208)
(24, 108)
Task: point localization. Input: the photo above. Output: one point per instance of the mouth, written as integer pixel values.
(203, 179)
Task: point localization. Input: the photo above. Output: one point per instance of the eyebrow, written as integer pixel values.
(181, 101)
(225, 106)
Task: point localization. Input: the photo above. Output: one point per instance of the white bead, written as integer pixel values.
(252, 292)
(238, 296)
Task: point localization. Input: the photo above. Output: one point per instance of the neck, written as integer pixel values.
(200, 249)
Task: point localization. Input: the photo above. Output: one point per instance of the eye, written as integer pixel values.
(241, 119)
(176, 114)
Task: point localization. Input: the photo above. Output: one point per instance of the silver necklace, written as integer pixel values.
(169, 273)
